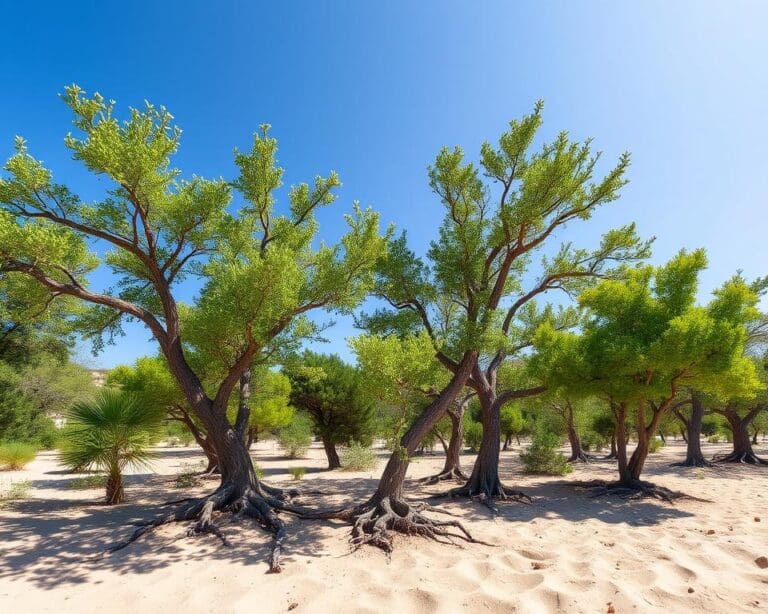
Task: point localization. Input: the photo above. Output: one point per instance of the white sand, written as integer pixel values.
(566, 552)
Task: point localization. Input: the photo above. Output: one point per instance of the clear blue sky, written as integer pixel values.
(373, 90)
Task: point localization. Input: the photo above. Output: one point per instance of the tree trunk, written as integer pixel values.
(331, 453)
(692, 434)
(507, 442)
(115, 487)
(621, 438)
(577, 452)
(243, 408)
(742, 443)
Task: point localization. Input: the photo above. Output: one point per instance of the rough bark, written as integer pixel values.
(387, 511)
(115, 488)
(578, 455)
(742, 444)
(692, 434)
(452, 466)
(330, 452)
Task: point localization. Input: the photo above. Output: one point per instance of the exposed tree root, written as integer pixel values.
(636, 489)
(487, 497)
(581, 457)
(452, 474)
(747, 458)
(250, 502)
(696, 461)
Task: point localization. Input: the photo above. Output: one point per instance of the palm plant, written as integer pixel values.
(111, 432)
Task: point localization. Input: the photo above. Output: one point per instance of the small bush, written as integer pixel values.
(97, 480)
(714, 438)
(542, 457)
(592, 441)
(15, 491)
(296, 438)
(186, 477)
(297, 472)
(654, 445)
(473, 435)
(16, 455)
(357, 457)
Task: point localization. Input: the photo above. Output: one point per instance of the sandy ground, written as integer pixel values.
(565, 552)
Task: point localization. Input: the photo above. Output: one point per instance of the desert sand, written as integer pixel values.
(566, 552)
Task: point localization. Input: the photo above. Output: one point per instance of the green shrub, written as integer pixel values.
(654, 445)
(473, 435)
(297, 472)
(97, 480)
(357, 457)
(258, 470)
(592, 441)
(542, 457)
(15, 491)
(186, 477)
(296, 438)
(16, 455)
(714, 438)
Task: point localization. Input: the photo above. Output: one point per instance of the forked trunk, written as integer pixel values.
(453, 452)
(484, 480)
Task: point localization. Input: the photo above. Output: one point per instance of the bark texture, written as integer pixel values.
(742, 444)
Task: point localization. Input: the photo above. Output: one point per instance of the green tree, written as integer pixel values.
(259, 269)
(643, 341)
(330, 392)
(113, 431)
(512, 423)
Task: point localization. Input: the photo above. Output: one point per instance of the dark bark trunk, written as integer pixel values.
(331, 453)
(243, 407)
(115, 488)
(507, 442)
(754, 438)
(620, 412)
(742, 443)
(392, 479)
(692, 434)
(577, 452)
(484, 481)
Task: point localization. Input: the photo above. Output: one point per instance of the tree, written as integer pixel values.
(644, 340)
(512, 423)
(259, 270)
(269, 405)
(111, 432)
(329, 391)
(472, 300)
(690, 412)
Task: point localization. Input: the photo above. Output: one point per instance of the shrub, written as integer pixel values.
(97, 480)
(714, 438)
(15, 490)
(357, 457)
(297, 472)
(473, 435)
(593, 441)
(296, 438)
(258, 471)
(542, 457)
(110, 432)
(186, 477)
(16, 455)
(654, 445)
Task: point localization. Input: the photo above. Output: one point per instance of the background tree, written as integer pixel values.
(512, 424)
(270, 407)
(330, 392)
(111, 432)
(644, 340)
(259, 271)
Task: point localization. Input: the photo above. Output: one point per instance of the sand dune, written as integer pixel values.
(567, 552)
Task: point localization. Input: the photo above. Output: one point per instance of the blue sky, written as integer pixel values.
(373, 90)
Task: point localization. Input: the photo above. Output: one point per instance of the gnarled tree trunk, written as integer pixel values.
(452, 466)
(692, 434)
(742, 444)
(330, 452)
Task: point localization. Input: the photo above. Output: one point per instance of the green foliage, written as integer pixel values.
(111, 432)
(330, 392)
(512, 421)
(16, 455)
(473, 433)
(186, 476)
(262, 271)
(655, 444)
(591, 440)
(269, 402)
(296, 438)
(542, 457)
(297, 472)
(357, 457)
